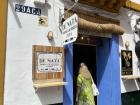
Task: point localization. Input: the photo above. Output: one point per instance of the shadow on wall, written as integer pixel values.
(125, 22)
(131, 85)
(50, 95)
(44, 8)
(13, 10)
(121, 42)
(52, 42)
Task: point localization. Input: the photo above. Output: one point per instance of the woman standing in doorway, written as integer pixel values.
(84, 94)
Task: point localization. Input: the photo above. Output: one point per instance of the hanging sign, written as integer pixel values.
(70, 29)
(49, 62)
(27, 9)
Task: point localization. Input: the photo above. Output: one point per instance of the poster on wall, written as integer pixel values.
(126, 62)
(49, 62)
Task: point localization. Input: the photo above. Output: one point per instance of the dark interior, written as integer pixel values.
(131, 98)
(86, 54)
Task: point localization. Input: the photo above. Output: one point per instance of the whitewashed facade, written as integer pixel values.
(23, 31)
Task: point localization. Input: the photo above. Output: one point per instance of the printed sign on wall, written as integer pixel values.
(43, 21)
(27, 9)
(49, 62)
(70, 29)
(126, 61)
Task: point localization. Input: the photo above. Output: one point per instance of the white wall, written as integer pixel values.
(23, 31)
(127, 20)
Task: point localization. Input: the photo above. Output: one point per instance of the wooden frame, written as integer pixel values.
(41, 77)
(107, 5)
(3, 21)
(132, 5)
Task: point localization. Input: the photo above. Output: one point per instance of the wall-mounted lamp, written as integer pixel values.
(50, 35)
(127, 44)
(82, 38)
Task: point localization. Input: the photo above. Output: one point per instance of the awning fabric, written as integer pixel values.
(84, 24)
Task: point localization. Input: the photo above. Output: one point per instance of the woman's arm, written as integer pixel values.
(77, 93)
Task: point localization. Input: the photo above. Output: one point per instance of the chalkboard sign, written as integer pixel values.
(48, 63)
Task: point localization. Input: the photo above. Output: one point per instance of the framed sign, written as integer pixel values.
(126, 62)
(48, 63)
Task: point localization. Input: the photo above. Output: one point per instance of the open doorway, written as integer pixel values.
(83, 53)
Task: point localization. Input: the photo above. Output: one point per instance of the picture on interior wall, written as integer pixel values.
(126, 62)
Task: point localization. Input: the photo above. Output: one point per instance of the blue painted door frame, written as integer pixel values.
(108, 72)
(68, 89)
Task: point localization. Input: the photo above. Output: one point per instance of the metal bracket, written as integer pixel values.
(61, 15)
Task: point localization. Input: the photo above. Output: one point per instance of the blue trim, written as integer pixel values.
(108, 71)
(68, 89)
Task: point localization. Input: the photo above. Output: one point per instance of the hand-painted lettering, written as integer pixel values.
(27, 9)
